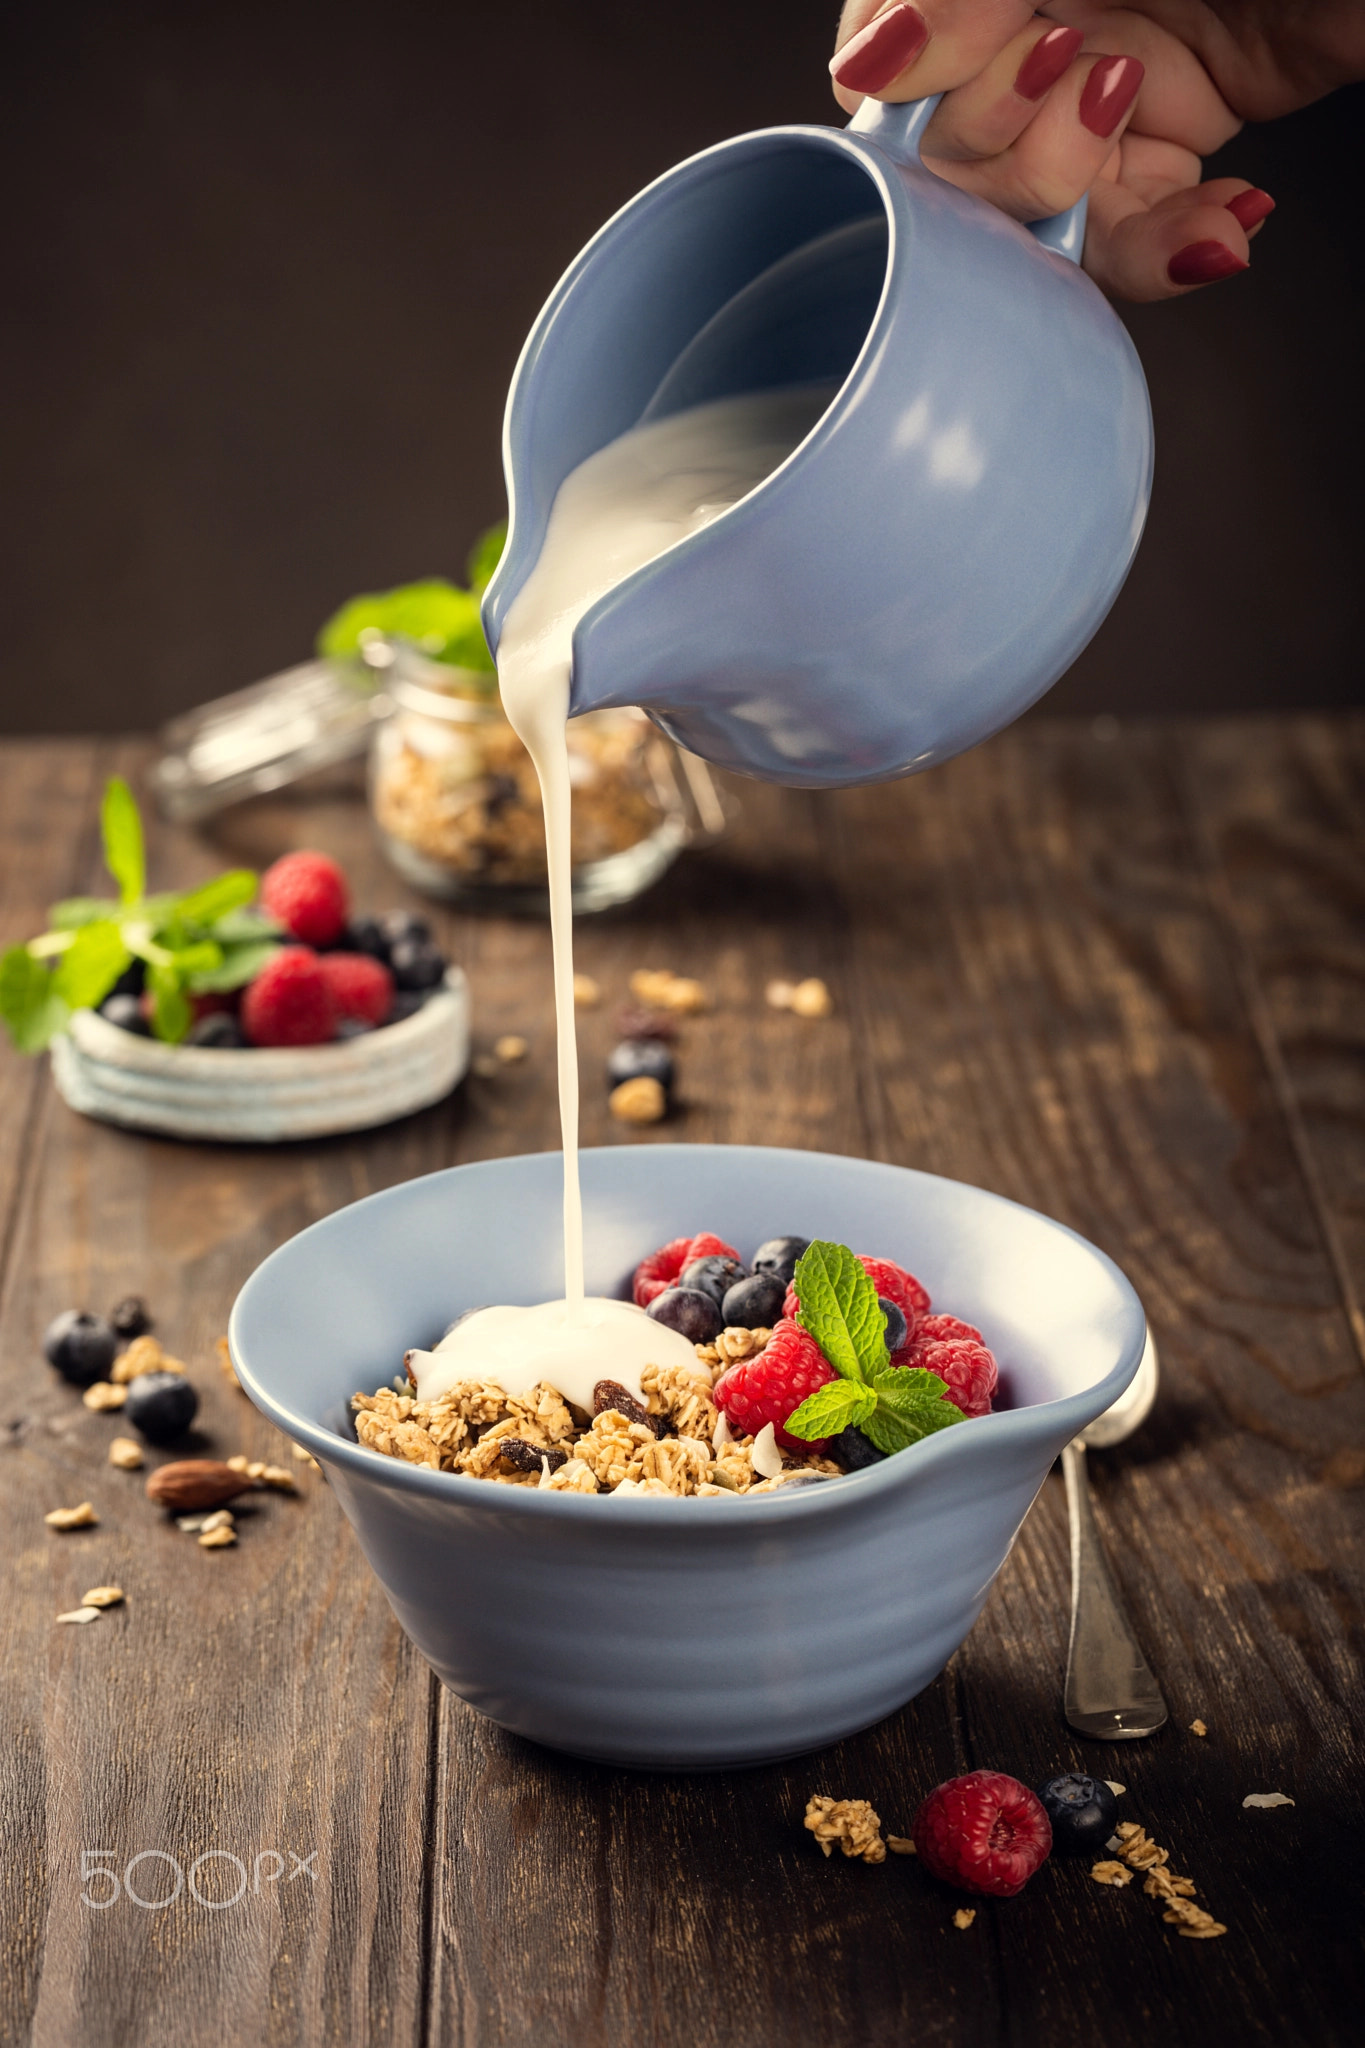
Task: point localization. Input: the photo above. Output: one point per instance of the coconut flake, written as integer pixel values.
(1117, 1790)
(721, 1435)
(765, 1456)
(81, 1614)
(1267, 1799)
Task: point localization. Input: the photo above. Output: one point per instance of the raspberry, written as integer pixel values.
(895, 1284)
(772, 1385)
(361, 987)
(983, 1833)
(933, 1329)
(289, 1002)
(307, 892)
(968, 1371)
(899, 1286)
(660, 1269)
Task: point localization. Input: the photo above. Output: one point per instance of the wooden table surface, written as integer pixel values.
(1113, 972)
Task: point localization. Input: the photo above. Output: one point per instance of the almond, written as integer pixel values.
(195, 1483)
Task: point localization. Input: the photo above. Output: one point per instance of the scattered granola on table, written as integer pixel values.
(852, 1823)
(964, 1917)
(1134, 1850)
(83, 1517)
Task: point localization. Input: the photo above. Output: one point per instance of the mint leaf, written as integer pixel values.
(835, 1406)
(235, 927)
(171, 1012)
(484, 557)
(839, 1309)
(74, 911)
(91, 964)
(238, 966)
(33, 1014)
(434, 615)
(217, 898)
(121, 828)
(911, 1403)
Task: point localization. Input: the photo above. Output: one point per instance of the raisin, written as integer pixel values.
(526, 1456)
(610, 1394)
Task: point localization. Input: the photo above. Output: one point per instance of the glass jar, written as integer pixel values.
(457, 807)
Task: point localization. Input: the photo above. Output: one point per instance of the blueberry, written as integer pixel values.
(416, 963)
(219, 1029)
(897, 1329)
(1083, 1812)
(402, 925)
(641, 1056)
(367, 935)
(406, 1003)
(131, 1318)
(854, 1451)
(635, 1022)
(161, 1405)
(779, 1256)
(687, 1310)
(81, 1346)
(132, 981)
(754, 1303)
(714, 1276)
(126, 1012)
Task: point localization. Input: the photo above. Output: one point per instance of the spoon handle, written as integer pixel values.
(1110, 1690)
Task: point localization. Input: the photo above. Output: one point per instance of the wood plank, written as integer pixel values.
(1281, 804)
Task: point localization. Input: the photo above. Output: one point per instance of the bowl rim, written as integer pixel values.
(98, 1042)
(1061, 1419)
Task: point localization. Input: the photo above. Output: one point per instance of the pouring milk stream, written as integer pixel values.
(615, 512)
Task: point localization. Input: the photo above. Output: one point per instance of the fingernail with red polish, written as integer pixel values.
(1046, 62)
(1249, 209)
(1108, 93)
(1203, 263)
(881, 51)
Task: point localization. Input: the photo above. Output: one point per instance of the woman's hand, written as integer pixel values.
(1119, 100)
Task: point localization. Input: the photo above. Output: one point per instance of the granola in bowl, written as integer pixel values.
(851, 1368)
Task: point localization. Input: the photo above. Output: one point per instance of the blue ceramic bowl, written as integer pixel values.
(685, 1634)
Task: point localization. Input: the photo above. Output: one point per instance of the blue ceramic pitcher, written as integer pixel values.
(949, 535)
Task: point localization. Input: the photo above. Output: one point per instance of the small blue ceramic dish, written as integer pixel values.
(685, 1634)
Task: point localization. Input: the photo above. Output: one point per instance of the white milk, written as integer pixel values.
(611, 515)
(573, 1347)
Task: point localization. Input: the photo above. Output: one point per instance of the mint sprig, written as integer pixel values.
(192, 941)
(894, 1406)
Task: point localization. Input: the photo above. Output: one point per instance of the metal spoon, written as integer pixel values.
(1110, 1691)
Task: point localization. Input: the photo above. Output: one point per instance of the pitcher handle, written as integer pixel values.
(899, 129)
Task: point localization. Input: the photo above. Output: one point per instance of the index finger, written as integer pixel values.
(892, 50)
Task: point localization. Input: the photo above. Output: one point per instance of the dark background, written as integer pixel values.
(267, 268)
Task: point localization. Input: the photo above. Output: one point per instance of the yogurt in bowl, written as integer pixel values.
(666, 1633)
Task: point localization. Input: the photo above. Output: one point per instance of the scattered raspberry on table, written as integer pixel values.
(984, 1833)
